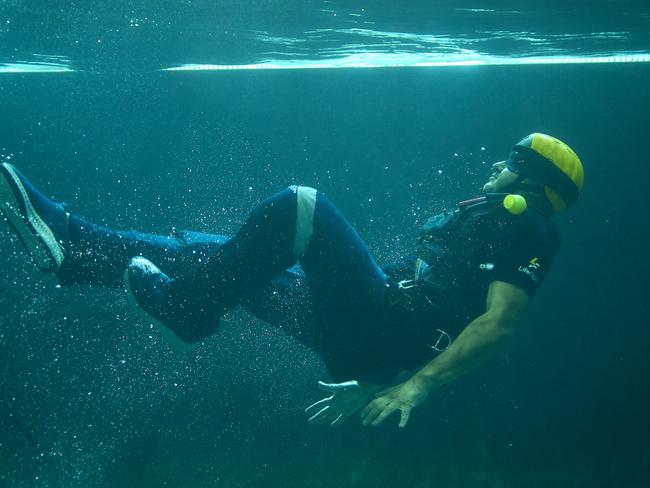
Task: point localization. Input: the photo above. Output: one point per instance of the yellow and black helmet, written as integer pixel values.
(550, 162)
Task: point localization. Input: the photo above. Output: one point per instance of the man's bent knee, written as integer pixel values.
(306, 206)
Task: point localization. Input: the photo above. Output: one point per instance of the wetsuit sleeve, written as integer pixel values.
(525, 253)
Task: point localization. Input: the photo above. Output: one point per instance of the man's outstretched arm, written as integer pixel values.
(480, 338)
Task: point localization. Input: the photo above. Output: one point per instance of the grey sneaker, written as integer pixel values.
(40, 223)
(150, 290)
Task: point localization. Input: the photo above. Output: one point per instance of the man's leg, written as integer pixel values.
(185, 308)
(80, 252)
(298, 223)
(348, 290)
(98, 256)
(77, 251)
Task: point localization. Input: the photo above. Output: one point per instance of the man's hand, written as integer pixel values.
(345, 399)
(403, 397)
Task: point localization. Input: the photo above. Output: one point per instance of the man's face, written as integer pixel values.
(500, 178)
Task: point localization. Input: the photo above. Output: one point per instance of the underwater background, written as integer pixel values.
(171, 115)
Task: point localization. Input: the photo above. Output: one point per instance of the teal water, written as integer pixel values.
(105, 37)
(90, 396)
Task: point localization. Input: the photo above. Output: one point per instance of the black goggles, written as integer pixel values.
(529, 163)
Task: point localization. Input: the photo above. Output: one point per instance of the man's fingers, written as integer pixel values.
(318, 405)
(376, 412)
(377, 403)
(387, 410)
(406, 412)
(367, 409)
(338, 420)
(327, 417)
(314, 419)
(372, 410)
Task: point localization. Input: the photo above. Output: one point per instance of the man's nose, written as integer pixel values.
(499, 165)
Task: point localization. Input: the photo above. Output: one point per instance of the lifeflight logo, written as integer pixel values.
(530, 269)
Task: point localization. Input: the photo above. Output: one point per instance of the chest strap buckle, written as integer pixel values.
(406, 284)
(443, 341)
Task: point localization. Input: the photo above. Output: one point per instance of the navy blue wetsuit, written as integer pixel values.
(338, 301)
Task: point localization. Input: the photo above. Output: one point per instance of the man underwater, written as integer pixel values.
(435, 314)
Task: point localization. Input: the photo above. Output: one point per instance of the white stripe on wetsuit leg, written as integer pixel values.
(306, 205)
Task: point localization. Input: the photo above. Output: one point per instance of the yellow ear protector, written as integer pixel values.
(515, 204)
(512, 202)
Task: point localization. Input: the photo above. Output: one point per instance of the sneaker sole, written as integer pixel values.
(34, 233)
(165, 331)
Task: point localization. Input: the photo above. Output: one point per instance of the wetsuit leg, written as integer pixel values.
(261, 250)
(97, 255)
(347, 286)
(348, 289)
(339, 314)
